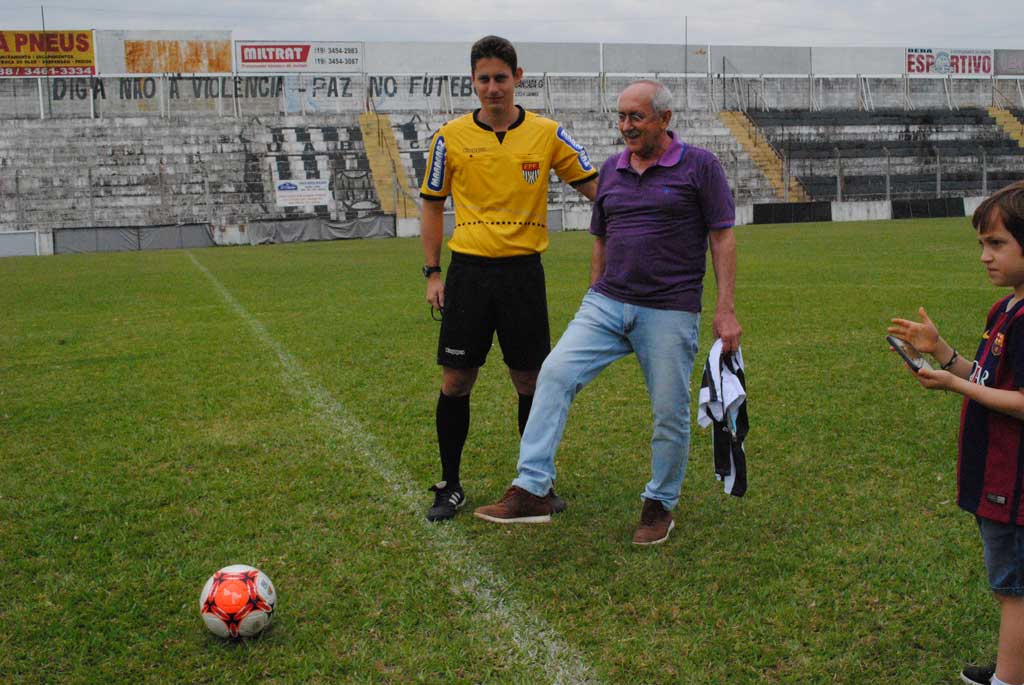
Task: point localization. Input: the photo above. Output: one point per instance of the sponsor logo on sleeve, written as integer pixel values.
(581, 152)
(435, 181)
(531, 172)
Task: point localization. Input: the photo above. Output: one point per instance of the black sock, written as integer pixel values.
(525, 402)
(452, 429)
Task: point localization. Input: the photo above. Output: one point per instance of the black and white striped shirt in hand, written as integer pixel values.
(723, 405)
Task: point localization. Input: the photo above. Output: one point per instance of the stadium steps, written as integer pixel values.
(763, 154)
(386, 166)
(1011, 125)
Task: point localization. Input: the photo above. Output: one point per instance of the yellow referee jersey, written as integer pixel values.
(500, 188)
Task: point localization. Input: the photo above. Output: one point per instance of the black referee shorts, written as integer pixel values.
(483, 296)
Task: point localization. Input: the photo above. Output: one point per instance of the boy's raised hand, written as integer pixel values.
(924, 335)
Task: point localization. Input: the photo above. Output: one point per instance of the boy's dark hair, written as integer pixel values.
(493, 46)
(1009, 202)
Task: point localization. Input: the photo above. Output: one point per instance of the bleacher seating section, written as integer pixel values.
(135, 171)
(599, 134)
(866, 144)
(144, 171)
(147, 171)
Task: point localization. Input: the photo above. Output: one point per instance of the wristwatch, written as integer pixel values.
(427, 270)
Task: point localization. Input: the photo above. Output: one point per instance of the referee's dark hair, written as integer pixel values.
(1009, 202)
(493, 46)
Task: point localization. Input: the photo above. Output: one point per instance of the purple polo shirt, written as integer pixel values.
(656, 226)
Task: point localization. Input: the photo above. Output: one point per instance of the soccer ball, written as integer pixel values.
(237, 601)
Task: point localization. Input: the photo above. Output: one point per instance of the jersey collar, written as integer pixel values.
(519, 119)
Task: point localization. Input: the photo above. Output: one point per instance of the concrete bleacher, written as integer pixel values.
(598, 132)
(123, 172)
(136, 171)
(924, 152)
(145, 171)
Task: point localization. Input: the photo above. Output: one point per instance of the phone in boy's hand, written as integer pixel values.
(914, 359)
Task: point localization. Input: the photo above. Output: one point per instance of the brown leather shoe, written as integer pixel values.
(518, 506)
(655, 524)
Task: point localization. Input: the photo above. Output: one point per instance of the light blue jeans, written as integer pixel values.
(665, 343)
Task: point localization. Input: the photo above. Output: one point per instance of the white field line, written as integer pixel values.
(538, 643)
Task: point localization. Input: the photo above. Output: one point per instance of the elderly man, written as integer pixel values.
(659, 204)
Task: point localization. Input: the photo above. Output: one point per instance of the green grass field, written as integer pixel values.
(165, 414)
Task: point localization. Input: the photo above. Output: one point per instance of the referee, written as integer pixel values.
(495, 164)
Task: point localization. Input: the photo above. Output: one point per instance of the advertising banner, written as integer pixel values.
(47, 53)
(177, 57)
(164, 52)
(297, 56)
(1010, 62)
(945, 61)
(300, 193)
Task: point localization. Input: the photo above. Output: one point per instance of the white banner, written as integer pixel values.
(946, 61)
(297, 56)
(300, 193)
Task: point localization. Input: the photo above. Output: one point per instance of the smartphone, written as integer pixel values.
(910, 355)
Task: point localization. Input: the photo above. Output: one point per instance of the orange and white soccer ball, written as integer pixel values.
(237, 601)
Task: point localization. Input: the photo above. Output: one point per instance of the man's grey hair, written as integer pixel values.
(661, 101)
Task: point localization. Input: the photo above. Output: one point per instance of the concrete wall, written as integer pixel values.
(417, 58)
(971, 204)
(854, 61)
(636, 58)
(19, 243)
(744, 214)
(453, 58)
(741, 59)
(559, 58)
(861, 211)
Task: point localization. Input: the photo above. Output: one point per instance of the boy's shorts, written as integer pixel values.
(1004, 556)
(483, 296)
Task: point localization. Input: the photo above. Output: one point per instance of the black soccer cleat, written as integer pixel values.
(447, 501)
(977, 675)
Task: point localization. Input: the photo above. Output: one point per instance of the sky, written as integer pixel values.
(826, 23)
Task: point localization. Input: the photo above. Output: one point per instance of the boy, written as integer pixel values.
(991, 423)
(495, 163)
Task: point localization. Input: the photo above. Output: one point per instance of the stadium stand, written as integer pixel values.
(174, 150)
(927, 153)
(149, 171)
(598, 132)
(135, 171)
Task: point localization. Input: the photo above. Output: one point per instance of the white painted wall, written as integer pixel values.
(971, 204)
(744, 215)
(853, 61)
(861, 211)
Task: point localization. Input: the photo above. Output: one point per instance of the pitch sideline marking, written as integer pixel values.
(535, 639)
